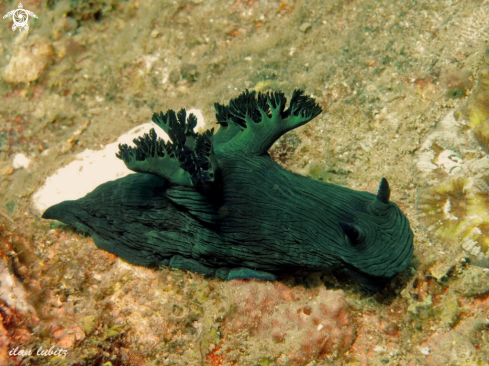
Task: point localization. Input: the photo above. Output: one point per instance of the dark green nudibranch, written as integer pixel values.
(217, 204)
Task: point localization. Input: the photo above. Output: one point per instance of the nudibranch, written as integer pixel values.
(218, 204)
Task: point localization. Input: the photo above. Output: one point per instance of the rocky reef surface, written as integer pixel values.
(404, 91)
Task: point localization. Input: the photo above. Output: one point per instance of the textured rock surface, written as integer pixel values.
(29, 61)
(297, 325)
(458, 346)
(387, 74)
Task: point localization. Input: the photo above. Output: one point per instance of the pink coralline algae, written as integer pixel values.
(292, 325)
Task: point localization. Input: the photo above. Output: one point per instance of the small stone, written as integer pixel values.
(8, 170)
(379, 349)
(20, 161)
(304, 28)
(29, 61)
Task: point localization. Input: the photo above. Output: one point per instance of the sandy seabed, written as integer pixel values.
(402, 89)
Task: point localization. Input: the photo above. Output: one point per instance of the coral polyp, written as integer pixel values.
(445, 207)
(456, 213)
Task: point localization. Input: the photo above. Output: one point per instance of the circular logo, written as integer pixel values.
(20, 18)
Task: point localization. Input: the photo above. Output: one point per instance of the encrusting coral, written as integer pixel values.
(454, 157)
(456, 212)
(217, 204)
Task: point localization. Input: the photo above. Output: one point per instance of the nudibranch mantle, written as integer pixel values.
(218, 204)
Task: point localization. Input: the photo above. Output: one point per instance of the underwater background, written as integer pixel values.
(404, 86)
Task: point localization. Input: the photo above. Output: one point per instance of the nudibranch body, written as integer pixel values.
(217, 204)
